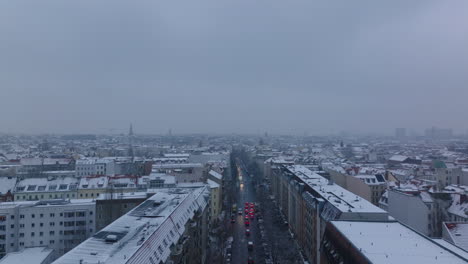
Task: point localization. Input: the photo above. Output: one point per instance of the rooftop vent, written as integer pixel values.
(111, 238)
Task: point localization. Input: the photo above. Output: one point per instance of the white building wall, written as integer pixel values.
(51, 226)
(409, 210)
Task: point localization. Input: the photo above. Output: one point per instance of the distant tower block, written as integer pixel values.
(400, 132)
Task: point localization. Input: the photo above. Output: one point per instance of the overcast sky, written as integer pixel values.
(238, 66)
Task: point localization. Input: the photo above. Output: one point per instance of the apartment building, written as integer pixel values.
(309, 201)
(169, 227)
(89, 167)
(57, 224)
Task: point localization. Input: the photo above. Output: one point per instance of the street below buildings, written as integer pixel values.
(269, 233)
(244, 192)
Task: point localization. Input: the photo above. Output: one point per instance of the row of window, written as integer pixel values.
(66, 215)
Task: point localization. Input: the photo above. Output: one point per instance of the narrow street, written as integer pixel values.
(270, 235)
(245, 193)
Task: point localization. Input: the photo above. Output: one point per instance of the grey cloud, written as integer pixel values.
(232, 66)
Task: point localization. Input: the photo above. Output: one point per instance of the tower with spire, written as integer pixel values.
(130, 142)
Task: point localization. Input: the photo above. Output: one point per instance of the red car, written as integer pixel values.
(247, 232)
(251, 216)
(247, 223)
(250, 260)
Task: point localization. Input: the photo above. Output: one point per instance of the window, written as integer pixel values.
(12, 226)
(80, 214)
(41, 215)
(41, 224)
(32, 234)
(21, 244)
(41, 233)
(12, 217)
(52, 242)
(33, 216)
(51, 233)
(21, 225)
(32, 225)
(40, 242)
(21, 216)
(12, 235)
(21, 234)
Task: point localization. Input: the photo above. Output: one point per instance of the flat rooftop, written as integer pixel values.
(152, 226)
(52, 202)
(394, 243)
(34, 255)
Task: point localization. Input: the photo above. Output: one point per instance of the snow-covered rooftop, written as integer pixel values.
(398, 158)
(393, 243)
(216, 174)
(94, 182)
(60, 184)
(148, 229)
(212, 184)
(7, 184)
(342, 199)
(459, 234)
(177, 166)
(33, 255)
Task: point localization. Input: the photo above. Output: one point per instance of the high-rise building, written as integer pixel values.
(400, 132)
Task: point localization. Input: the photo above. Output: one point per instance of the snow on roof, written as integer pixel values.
(451, 247)
(7, 184)
(393, 243)
(44, 203)
(280, 160)
(426, 197)
(59, 184)
(398, 158)
(457, 208)
(92, 182)
(212, 184)
(215, 174)
(33, 255)
(177, 166)
(340, 198)
(176, 155)
(459, 234)
(146, 230)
